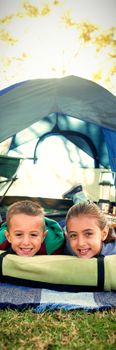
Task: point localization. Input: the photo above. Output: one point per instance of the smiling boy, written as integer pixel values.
(26, 233)
(29, 232)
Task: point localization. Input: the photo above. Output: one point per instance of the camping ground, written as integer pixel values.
(57, 330)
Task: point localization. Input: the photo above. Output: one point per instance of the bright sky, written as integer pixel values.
(45, 47)
(101, 12)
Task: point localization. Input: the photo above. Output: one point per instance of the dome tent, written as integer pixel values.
(77, 108)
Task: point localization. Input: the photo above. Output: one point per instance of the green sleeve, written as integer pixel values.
(55, 237)
(2, 235)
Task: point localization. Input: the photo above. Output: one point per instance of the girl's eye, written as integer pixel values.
(88, 234)
(73, 236)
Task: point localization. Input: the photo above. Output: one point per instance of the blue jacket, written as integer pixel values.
(108, 248)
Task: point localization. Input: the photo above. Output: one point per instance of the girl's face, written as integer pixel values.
(85, 236)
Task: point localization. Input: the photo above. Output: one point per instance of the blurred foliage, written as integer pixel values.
(88, 35)
(7, 37)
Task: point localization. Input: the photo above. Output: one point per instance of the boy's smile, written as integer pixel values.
(26, 234)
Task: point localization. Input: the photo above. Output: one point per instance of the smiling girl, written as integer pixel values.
(89, 233)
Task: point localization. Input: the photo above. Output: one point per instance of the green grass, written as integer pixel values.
(57, 330)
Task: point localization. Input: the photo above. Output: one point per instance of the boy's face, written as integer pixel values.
(26, 234)
(85, 236)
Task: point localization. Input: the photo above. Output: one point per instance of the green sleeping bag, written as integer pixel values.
(59, 272)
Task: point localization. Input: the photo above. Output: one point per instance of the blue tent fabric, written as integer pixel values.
(110, 137)
(29, 102)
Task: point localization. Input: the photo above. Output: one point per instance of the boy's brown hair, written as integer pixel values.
(27, 207)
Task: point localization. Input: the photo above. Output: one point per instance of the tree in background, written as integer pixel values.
(42, 40)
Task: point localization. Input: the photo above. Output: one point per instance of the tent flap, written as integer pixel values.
(8, 166)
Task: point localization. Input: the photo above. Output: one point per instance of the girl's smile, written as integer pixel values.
(85, 236)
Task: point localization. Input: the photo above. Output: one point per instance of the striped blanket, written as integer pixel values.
(40, 299)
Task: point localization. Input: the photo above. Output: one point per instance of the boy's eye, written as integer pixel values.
(18, 234)
(35, 234)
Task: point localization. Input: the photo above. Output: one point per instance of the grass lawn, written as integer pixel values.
(57, 330)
